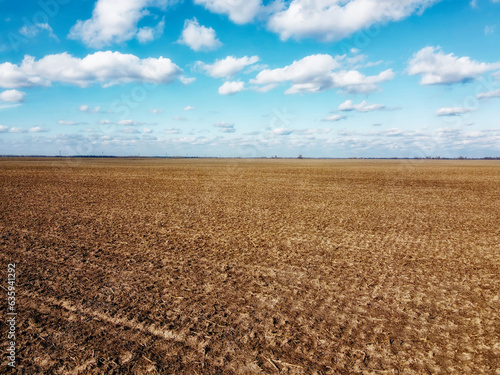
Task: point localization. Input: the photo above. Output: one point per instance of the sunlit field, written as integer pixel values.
(206, 266)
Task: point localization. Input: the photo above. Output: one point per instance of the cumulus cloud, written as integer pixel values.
(227, 67)
(188, 108)
(12, 96)
(329, 20)
(454, 111)
(334, 118)
(316, 73)
(489, 95)
(106, 68)
(231, 87)
(116, 21)
(198, 37)
(147, 34)
(361, 107)
(436, 67)
(239, 11)
(225, 127)
(31, 31)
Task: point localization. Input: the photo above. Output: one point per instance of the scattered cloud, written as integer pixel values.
(282, 131)
(66, 122)
(31, 31)
(86, 108)
(316, 73)
(225, 127)
(147, 34)
(106, 68)
(105, 122)
(173, 131)
(116, 21)
(179, 118)
(329, 20)
(4, 129)
(130, 131)
(37, 129)
(348, 106)
(435, 67)
(197, 37)
(239, 11)
(188, 108)
(156, 111)
(489, 95)
(12, 96)
(454, 111)
(489, 29)
(227, 67)
(334, 118)
(17, 130)
(147, 130)
(231, 87)
(129, 123)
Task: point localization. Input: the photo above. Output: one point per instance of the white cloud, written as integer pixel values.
(179, 118)
(231, 87)
(31, 31)
(106, 68)
(156, 111)
(239, 11)
(329, 20)
(66, 122)
(12, 96)
(282, 131)
(198, 37)
(436, 67)
(454, 111)
(188, 108)
(105, 122)
(173, 131)
(3, 129)
(361, 107)
(147, 130)
(130, 131)
(225, 127)
(147, 34)
(489, 95)
(115, 22)
(334, 118)
(316, 73)
(488, 30)
(17, 130)
(37, 129)
(227, 67)
(129, 122)
(86, 108)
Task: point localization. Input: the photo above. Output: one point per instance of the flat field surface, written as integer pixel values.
(134, 266)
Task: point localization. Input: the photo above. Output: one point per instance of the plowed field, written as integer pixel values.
(134, 266)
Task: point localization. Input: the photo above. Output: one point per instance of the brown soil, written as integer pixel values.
(244, 267)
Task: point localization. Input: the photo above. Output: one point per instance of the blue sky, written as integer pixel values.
(250, 78)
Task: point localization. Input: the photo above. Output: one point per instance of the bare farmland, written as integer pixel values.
(253, 266)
